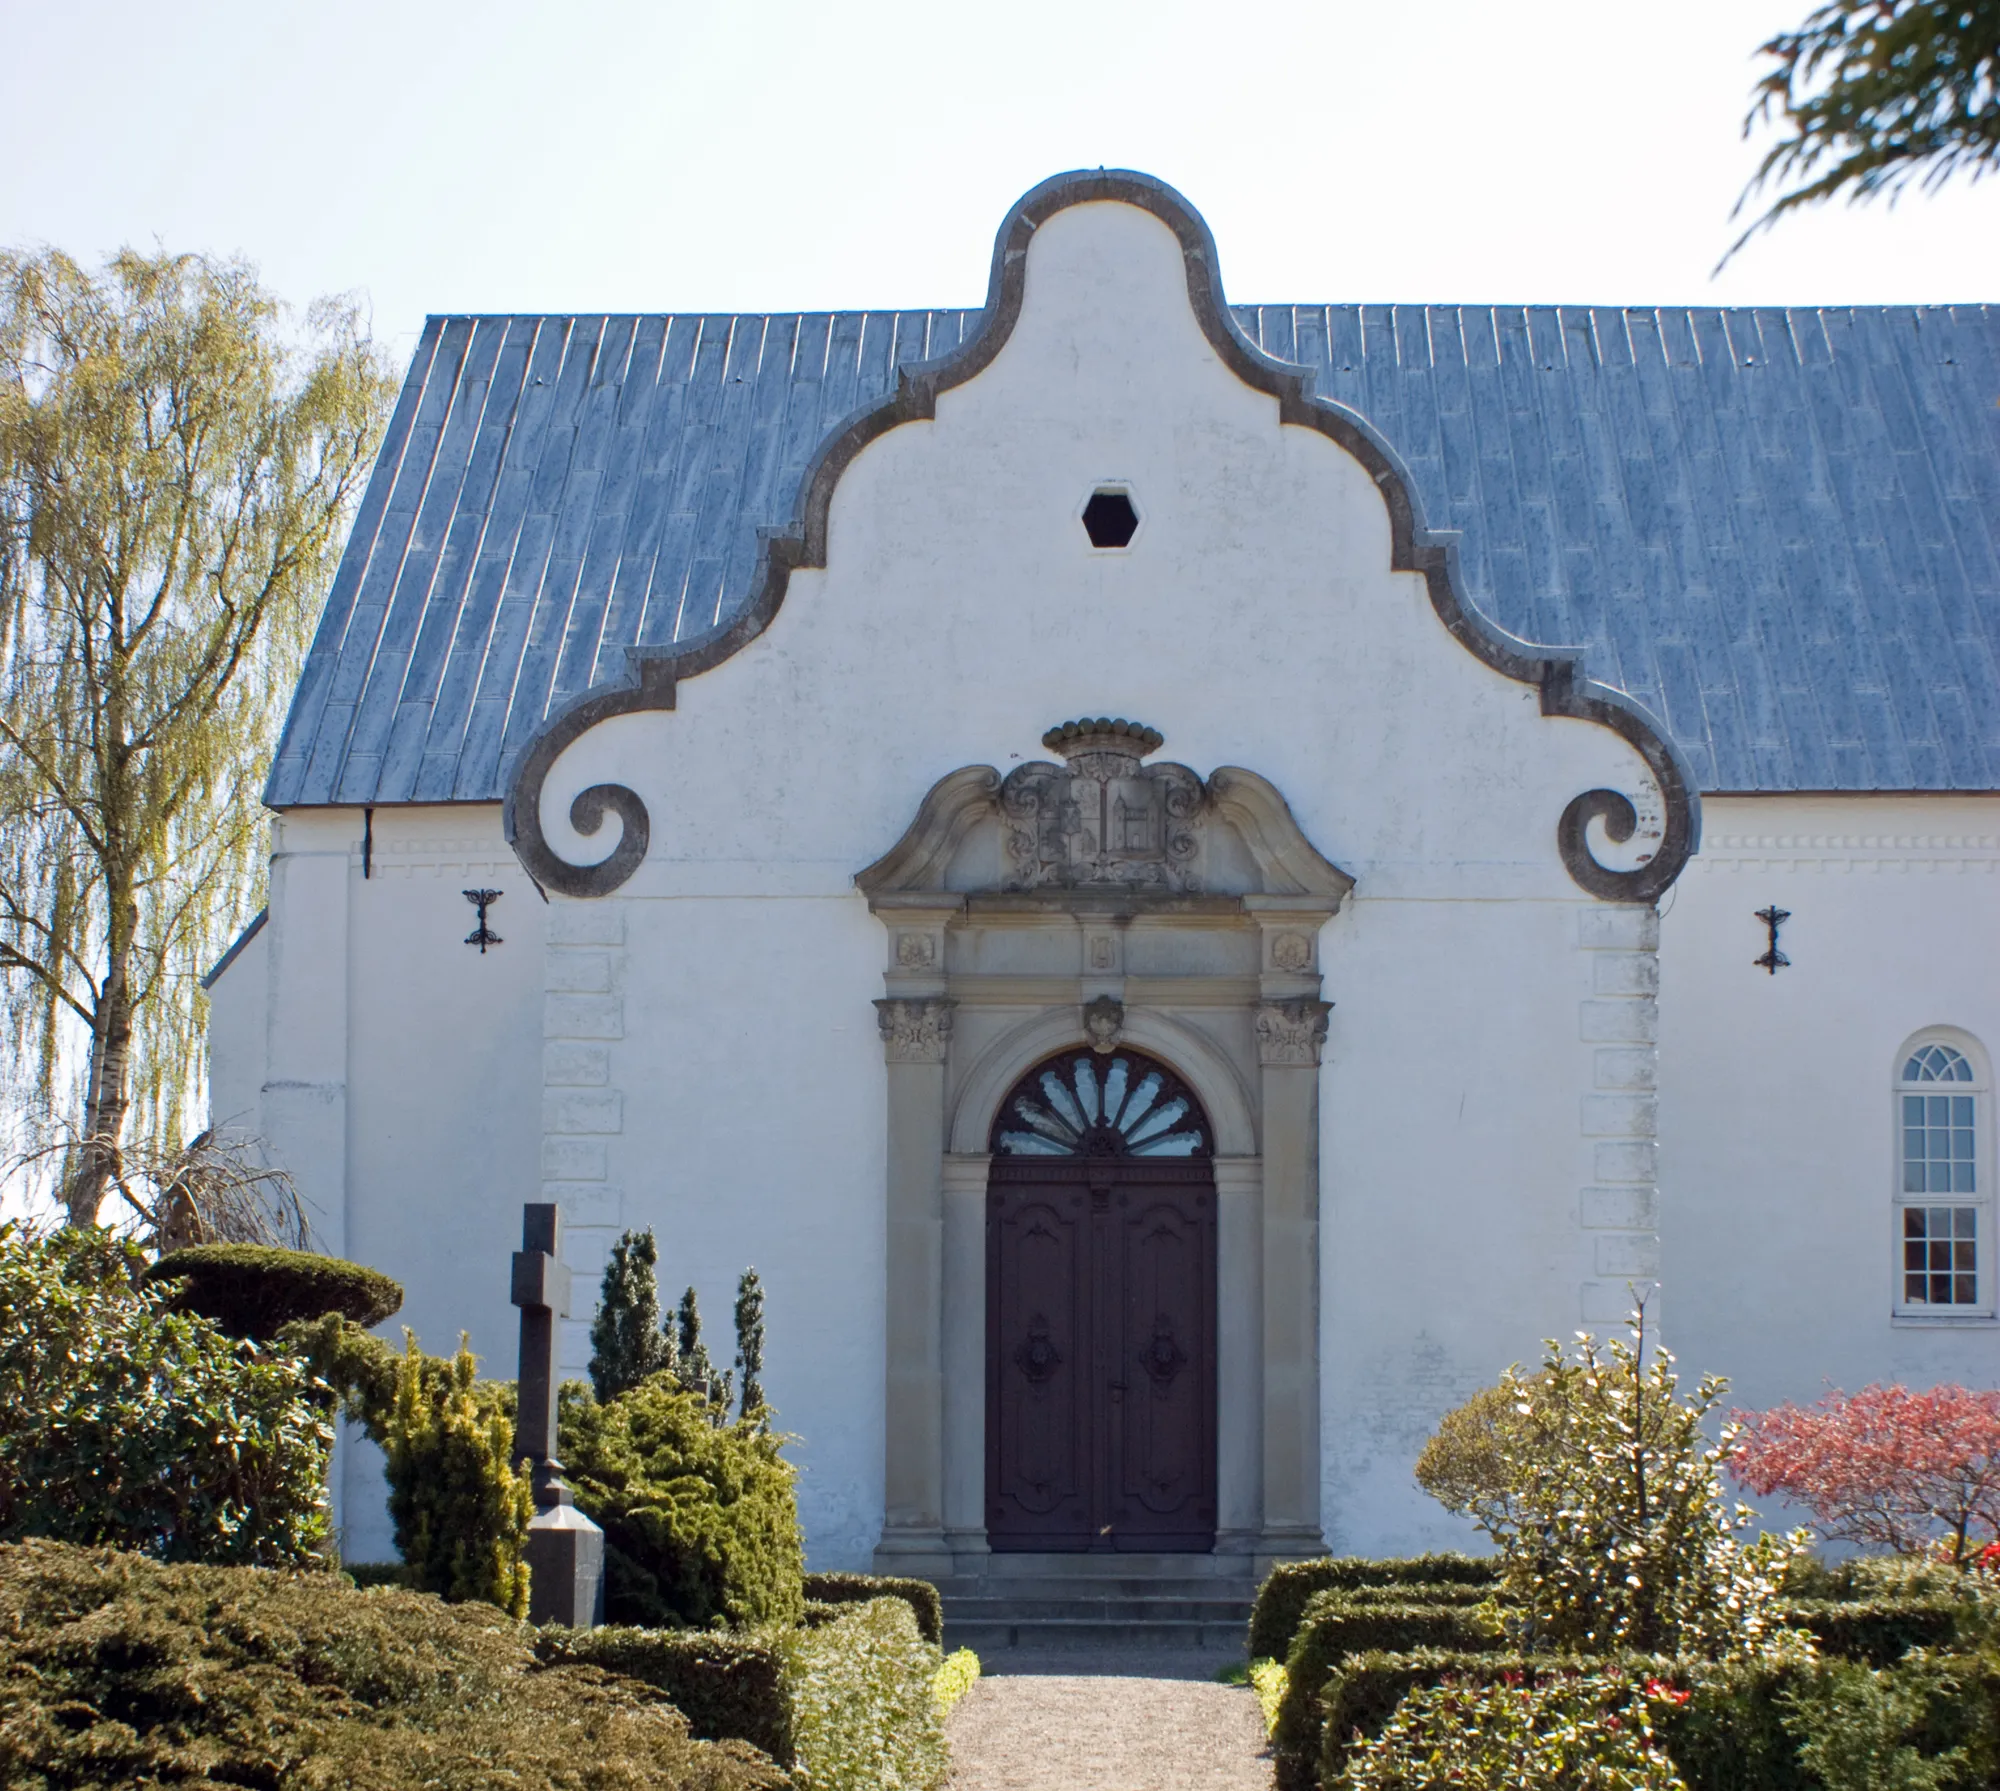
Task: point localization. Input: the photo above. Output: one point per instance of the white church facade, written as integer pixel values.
(1185, 882)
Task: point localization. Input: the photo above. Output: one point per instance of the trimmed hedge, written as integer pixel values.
(1281, 1600)
(1332, 1629)
(1879, 1631)
(117, 1670)
(865, 1714)
(857, 1588)
(1730, 1735)
(729, 1687)
(850, 1699)
(252, 1290)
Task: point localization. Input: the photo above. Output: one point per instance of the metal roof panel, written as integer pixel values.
(1776, 528)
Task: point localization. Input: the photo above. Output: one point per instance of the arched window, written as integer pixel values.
(1942, 1222)
(1089, 1103)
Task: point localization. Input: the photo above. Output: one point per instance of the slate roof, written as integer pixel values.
(1779, 530)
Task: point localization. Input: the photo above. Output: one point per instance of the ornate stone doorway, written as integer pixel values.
(1100, 1333)
(1078, 914)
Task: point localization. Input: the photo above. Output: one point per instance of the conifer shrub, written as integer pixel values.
(857, 1588)
(750, 1342)
(627, 1342)
(125, 1423)
(252, 1290)
(1289, 1586)
(729, 1687)
(118, 1671)
(460, 1510)
(866, 1710)
(700, 1523)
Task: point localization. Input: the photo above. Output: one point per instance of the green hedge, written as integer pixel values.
(1729, 1735)
(1334, 1628)
(1878, 1631)
(864, 1705)
(250, 1290)
(857, 1588)
(1281, 1600)
(848, 1700)
(729, 1687)
(118, 1671)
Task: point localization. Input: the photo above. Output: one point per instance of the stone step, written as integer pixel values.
(1083, 1635)
(1115, 1565)
(1236, 1593)
(1010, 1609)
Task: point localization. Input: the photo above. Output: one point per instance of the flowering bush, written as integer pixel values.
(1885, 1467)
(129, 1424)
(1569, 1732)
(1609, 1514)
(957, 1676)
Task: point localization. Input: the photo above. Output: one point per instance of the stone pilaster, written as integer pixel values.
(1290, 1032)
(1620, 1020)
(916, 1038)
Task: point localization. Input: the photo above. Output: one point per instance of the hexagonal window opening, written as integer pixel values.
(1109, 518)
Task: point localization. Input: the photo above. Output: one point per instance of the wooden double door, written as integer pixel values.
(1100, 1325)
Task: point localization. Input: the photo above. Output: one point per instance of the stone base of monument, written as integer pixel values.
(565, 1556)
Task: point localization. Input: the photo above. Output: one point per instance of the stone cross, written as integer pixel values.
(565, 1550)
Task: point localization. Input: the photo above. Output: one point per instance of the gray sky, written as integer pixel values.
(620, 155)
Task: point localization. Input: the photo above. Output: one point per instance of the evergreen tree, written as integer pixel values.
(750, 1342)
(627, 1338)
(697, 1371)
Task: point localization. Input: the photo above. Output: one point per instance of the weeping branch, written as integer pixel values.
(177, 465)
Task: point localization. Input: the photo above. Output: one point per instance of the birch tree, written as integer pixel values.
(177, 458)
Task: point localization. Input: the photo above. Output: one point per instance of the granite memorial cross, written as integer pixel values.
(565, 1551)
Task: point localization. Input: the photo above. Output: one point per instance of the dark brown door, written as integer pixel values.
(1100, 1406)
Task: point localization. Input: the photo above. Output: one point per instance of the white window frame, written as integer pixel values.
(1980, 1200)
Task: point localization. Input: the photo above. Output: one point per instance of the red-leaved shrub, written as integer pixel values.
(1885, 1467)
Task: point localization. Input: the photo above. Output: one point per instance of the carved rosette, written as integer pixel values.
(1101, 819)
(915, 1031)
(1291, 1032)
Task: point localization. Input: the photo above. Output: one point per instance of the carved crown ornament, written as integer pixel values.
(1664, 820)
(1101, 822)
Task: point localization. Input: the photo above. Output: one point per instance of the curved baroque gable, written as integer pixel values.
(1558, 677)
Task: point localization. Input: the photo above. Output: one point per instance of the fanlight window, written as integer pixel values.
(1101, 1104)
(1938, 1100)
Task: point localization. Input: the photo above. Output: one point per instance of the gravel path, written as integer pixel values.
(1135, 1722)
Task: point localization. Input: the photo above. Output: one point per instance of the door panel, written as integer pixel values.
(1038, 1407)
(1162, 1397)
(1101, 1355)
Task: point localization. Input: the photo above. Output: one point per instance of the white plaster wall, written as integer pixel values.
(1256, 622)
(1778, 1154)
(238, 1001)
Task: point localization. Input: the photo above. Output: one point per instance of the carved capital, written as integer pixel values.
(915, 1031)
(1291, 1032)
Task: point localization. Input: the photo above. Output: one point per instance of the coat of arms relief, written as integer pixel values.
(1102, 819)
